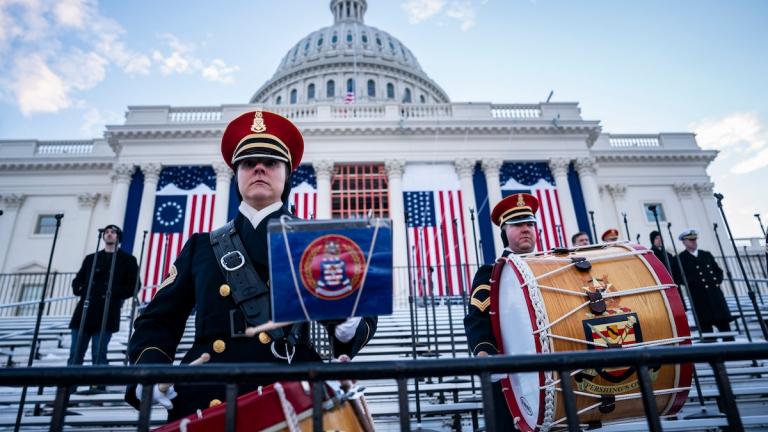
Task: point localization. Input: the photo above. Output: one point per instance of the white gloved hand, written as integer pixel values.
(346, 330)
(158, 396)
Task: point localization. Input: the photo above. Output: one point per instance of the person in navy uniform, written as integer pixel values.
(515, 215)
(123, 283)
(263, 149)
(704, 278)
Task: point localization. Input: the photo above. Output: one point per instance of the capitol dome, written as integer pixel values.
(349, 60)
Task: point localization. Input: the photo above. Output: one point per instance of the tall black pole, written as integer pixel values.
(107, 300)
(626, 226)
(765, 234)
(762, 228)
(79, 343)
(136, 288)
(637, 238)
(730, 280)
(719, 197)
(594, 229)
(652, 208)
(40, 307)
(560, 235)
(693, 312)
(474, 238)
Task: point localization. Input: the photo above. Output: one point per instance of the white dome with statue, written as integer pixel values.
(349, 61)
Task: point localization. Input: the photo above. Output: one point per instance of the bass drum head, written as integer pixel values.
(522, 390)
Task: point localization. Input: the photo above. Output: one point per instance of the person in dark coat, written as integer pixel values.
(515, 215)
(123, 283)
(704, 278)
(660, 252)
(263, 149)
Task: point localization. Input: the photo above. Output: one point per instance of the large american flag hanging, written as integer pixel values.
(536, 179)
(303, 199)
(436, 234)
(183, 206)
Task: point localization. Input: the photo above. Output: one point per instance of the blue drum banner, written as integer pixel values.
(330, 269)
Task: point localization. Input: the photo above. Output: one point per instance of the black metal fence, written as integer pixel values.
(233, 375)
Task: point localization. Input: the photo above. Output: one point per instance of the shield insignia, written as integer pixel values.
(615, 331)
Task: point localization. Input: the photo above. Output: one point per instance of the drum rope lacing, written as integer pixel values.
(289, 412)
(541, 321)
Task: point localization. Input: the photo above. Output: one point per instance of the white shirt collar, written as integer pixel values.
(694, 253)
(256, 216)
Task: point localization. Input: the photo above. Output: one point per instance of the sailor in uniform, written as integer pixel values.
(515, 215)
(224, 277)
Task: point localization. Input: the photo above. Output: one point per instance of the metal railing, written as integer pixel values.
(234, 375)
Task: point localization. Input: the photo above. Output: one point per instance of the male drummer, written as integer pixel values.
(515, 215)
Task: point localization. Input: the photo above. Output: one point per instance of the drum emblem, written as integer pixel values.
(332, 267)
(614, 331)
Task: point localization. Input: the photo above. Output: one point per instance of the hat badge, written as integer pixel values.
(520, 200)
(258, 125)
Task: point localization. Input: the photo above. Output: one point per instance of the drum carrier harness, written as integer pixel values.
(250, 293)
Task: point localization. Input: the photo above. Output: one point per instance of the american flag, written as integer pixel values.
(536, 179)
(349, 98)
(436, 234)
(303, 198)
(183, 206)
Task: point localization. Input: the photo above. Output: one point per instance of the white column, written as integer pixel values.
(394, 169)
(587, 169)
(559, 168)
(465, 168)
(684, 192)
(323, 172)
(710, 215)
(151, 176)
(491, 169)
(223, 180)
(11, 204)
(118, 200)
(618, 193)
(87, 203)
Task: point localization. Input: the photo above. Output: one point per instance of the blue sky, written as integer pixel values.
(67, 67)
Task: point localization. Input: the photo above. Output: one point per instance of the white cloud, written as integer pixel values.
(741, 138)
(219, 71)
(463, 12)
(420, 10)
(37, 88)
(72, 13)
(94, 121)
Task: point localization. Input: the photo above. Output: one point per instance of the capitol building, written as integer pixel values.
(382, 139)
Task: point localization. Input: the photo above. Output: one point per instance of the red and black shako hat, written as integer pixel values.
(514, 209)
(262, 134)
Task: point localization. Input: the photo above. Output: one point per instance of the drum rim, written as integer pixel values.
(516, 263)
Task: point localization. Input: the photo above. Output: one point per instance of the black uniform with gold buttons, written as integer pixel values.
(704, 279)
(197, 282)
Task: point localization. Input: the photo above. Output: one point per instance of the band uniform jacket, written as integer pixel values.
(196, 281)
(704, 279)
(123, 284)
(477, 323)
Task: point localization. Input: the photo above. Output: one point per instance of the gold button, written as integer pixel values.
(697, 266)
(224, 290)
(264, 338)
(213, 403)
(701, 273)
(706, 286)
(219, 346)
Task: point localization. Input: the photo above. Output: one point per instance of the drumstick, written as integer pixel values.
(204, 358)
(267, 326)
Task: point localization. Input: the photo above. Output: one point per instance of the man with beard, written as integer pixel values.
(515, 215)
(123, 283)
(224, 277)
(580, 239)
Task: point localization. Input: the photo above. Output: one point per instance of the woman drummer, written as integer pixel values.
(263, 149)
(516, 216)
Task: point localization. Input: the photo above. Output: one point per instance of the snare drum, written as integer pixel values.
(285, 406)
(617, 296)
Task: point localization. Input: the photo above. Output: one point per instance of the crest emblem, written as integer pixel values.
(616, 331)
(520, 200)
(258, 125)
(332, 267)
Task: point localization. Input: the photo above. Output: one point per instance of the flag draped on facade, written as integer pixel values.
(437, 242)
(303, 199)
(184, 205)
(536, 179)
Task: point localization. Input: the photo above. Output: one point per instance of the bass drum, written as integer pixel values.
(617, 296)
